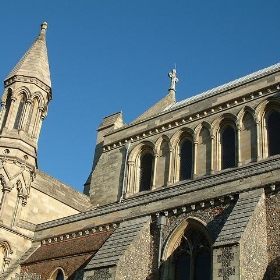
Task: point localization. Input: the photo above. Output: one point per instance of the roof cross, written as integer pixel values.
(173, 79)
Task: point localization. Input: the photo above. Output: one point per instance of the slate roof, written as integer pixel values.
(235, 83)
(117, 243)
(238, 220)
(34, 62)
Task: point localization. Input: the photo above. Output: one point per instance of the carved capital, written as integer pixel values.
(28, 101)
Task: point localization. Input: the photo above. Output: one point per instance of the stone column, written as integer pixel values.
(212, 154)
(5, 191)
(21, 201)
(38, 122)
(258, 140)
(195, 158)
(238, 146)
(130, 178)
(169, 180)
(154, 171)
(6, 262)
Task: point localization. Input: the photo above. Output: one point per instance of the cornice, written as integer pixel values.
(78, 234)
(187, 119)
(29, 80)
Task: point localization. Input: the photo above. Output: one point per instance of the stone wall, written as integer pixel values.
(106, 179)
(253, 245)
(273, 236)
(136, 261)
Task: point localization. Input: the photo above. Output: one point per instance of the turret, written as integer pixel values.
(27, 92)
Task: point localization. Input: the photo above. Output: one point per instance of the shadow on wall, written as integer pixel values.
(122, 177)
(273, 270)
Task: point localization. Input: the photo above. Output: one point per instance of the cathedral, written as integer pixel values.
(189, 190)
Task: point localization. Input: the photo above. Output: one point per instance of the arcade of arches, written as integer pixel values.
(190, 154)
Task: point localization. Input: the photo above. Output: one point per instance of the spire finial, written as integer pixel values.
(173, 79)
(44, 27)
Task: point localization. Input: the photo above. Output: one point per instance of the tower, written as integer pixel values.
(27, 92)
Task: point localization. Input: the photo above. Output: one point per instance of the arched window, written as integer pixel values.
(186, 159)
(146, 166)
(19, 113)
(228, 147)
(59, 275)
(192, 258)
(8, 106)
(273, 130)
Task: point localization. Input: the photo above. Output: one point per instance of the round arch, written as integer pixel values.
(58, 274)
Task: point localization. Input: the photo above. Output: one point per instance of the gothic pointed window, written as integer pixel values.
(146, 165)
(192, 258)
(8, 106)
(19, 113)
(273, 124)
(228, 147)
(186, 160)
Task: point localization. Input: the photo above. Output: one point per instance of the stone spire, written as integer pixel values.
(34, 63)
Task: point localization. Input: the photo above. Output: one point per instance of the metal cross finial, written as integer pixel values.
(173, 79)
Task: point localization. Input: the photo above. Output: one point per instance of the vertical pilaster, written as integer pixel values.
(195, 143)
(154, 171)
(169, 180)
(258, 140)
(239, 162)
(212, 153)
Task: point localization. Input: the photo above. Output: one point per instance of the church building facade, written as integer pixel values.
(191, 188)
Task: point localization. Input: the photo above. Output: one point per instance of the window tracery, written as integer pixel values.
(193, 254)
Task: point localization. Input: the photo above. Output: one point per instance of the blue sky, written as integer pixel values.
(108, 56)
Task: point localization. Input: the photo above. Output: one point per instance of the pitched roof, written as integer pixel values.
(77, 246)
(113, 249)
(34, 62)
(235, 83)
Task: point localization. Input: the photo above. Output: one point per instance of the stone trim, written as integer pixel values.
(77, 234)
(32, 80)
(184, 187)
(191, 118)
(16, 232)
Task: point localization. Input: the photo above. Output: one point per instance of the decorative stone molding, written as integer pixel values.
(32, 80)
(187, 119)
(78, 234)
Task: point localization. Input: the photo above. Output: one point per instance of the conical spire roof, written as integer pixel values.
(35, 62)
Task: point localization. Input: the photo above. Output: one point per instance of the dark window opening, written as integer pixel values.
(59, 275)
(186, 160)
(228, 149)
(273, 125)
(8, 106)
(19, 113)
(193, 257)
(146, 165)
